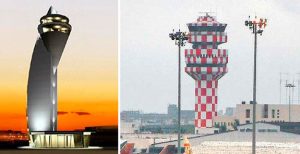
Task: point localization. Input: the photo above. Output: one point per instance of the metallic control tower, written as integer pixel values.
(206, 64)
(54, 30)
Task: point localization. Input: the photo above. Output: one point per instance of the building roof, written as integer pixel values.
(236, 136)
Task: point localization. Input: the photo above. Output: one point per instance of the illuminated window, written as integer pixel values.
(60, 140)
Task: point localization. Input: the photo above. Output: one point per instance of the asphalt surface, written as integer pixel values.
(59, 151)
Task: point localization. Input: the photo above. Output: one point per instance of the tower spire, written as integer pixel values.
(51, 10)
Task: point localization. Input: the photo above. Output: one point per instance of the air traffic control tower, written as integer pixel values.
(54, 30)
(206, 64)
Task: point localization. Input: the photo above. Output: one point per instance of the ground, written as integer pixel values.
(217, 147)
(115, 151)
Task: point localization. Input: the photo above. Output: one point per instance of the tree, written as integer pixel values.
(217, 125)
(223, 128)
(235, 124)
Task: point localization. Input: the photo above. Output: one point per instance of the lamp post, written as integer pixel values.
(298, 80)
(280, 85)
(290, 86)
(180, 39)
(256, 26)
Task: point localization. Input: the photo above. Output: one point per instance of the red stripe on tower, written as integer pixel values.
(209, 51)
(203, 38)
(198, 52)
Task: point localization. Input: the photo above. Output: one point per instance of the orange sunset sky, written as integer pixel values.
(87, 72)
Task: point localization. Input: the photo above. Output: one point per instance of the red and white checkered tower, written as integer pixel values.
(206, 64)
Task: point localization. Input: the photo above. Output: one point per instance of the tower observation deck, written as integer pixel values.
(206, 64)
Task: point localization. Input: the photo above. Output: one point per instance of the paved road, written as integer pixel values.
(58, 151)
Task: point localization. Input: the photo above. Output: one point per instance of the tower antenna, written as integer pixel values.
(216, 13)
(207, 13)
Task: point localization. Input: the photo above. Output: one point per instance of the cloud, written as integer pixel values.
(62, 112)
(12, 116)
(81, 113)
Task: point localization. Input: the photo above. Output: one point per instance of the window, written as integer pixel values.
(247, 122)
(273, 113)
(248, 113)
(272, 130)
(261, 130)
(248, 130)
(265, 111)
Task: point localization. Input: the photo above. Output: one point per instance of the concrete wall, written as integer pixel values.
(281, 113)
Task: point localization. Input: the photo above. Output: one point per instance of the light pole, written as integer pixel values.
(256, 26)
(290, 86)
(298, 80)
(280, 85)
(180, 39)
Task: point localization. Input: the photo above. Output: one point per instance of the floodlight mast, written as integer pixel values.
(298, 80)
(180, 39)
(257, 26)
(289, 86)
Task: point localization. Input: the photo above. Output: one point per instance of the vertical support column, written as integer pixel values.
(53, 94)
(206, 103)
(214, 97)
(55, 100)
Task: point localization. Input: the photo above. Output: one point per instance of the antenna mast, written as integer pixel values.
(298, 80)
